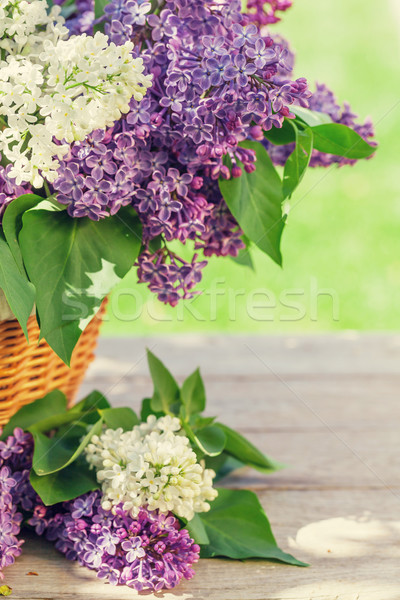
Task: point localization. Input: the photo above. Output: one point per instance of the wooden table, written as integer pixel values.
(329, 407)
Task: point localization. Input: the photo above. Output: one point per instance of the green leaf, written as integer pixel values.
(340, 140)
(64, 485)
(54, 454)
(12, 224)
(50, 454)
(223, 465)
(281, 136)
(74, 263)
(199, 422)
(55, 422)
(255, 200)
(216, 463)
(211, 440)
(310, 117)
(19, 292)
(154, 244)
(122, 416)
(237, 446)
(52, 404)
(166, 390)
(86, 412)
(238, 527)
(244, 257)
(93, 401)
(146, 410)
(73, 431)
(193, 394)
(197, 531)
(99, 6)
(297, 163)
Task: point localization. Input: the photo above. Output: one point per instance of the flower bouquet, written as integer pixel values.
(128, 126)
(132, 498)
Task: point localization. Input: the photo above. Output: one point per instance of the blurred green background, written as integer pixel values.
(341, 246)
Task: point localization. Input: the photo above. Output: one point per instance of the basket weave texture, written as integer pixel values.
(30, 371)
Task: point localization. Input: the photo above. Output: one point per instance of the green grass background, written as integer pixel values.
(343, 232)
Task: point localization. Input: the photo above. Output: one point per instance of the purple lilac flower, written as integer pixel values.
(6, 480)
(199, 131)
(150, 552)
(71, 183)
(261, 54)
(135, 12)
(83, 507)
(214, 46)
(240, 70)
(16, 493)
(217, 68)
(169, 276)
(244, 35)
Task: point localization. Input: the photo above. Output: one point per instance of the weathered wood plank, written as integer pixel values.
(347, 352)
(285, 403)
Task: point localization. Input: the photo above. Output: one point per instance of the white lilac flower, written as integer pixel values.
(98, 80)
(54, 91)
(153, 465)
(24, 25)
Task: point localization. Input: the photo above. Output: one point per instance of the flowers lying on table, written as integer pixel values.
(131, 128)
(134, 499)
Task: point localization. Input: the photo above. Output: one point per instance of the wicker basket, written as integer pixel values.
(29, 371)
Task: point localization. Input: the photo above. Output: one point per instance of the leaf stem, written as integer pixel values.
(46, 188)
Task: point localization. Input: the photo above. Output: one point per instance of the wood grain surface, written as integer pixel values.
(326, 406)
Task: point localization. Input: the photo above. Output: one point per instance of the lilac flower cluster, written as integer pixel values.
(16, 493)
(323, 100)
(150, 552)
(217, 81)
(9, 189)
